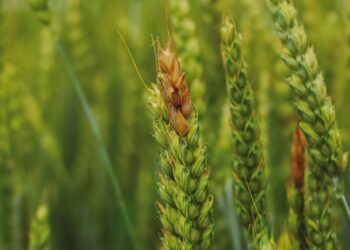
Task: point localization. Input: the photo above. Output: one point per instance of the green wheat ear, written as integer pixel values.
(248, 168)
(313, 104)
(186, 206)
(317, 121)
(39, 236)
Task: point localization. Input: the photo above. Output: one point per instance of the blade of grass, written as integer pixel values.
(97, 134)
(225, 199)
(345, 207)
(339, 189)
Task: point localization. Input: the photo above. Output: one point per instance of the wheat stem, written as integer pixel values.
(226, 202)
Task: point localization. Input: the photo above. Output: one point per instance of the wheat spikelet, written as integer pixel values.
(186, 207)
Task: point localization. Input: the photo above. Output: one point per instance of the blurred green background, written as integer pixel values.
(49, 155)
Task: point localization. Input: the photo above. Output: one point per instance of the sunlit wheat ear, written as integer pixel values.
(248, 167)
(185, 209)
(317, 121)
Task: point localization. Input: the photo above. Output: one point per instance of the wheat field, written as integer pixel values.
(174, 124)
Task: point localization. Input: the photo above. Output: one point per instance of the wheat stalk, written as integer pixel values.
(249, 169)
(317, 120)
(186, 207)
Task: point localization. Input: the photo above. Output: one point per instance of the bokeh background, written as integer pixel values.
(52, 158)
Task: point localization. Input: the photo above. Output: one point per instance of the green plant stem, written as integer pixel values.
(98, 137)
(225, 199)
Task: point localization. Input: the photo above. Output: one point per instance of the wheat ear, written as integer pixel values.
(317, 121)
(317, 117)
(186, 207)
(248, 169)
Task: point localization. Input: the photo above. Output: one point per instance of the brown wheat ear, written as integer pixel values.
(174, 89)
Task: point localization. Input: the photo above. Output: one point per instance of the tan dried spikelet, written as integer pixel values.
(298, 158)
(174, 88)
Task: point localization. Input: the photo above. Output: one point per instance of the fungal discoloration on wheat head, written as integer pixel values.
(174, 88)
